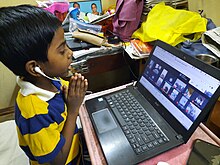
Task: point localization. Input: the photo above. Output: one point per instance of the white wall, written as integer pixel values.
(8, 87)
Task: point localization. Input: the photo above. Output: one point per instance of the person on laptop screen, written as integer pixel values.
(32, 46)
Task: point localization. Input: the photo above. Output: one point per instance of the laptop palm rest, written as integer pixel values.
(104, 120)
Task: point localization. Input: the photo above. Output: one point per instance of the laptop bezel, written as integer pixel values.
(179, 128)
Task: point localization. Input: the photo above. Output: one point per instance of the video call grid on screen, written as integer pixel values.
(85, 6)
(186, 96)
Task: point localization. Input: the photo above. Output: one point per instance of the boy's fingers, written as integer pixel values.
(82, 85)
(65, 91)
(78, 84)
(85, 85)
(72, 84)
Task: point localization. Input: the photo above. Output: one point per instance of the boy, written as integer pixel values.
(31, 42)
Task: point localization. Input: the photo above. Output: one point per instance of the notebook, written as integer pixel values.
(172, 96)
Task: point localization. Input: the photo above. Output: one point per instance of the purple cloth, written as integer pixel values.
(58, 6)
(127, 18)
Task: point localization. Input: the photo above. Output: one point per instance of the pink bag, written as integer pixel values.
(58, 6)
(127, 18)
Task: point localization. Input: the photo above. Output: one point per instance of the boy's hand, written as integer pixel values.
(75, 94)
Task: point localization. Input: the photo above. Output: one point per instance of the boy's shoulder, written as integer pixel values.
(31, 105)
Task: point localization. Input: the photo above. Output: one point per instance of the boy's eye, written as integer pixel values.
(62, 51)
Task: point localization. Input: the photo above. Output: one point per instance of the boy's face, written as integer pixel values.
(59, 56)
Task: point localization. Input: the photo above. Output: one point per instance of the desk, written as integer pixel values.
(176, 156)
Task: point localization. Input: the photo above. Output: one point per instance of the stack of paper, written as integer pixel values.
(211, 40)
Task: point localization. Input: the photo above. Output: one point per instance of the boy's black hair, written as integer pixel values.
(25, 34)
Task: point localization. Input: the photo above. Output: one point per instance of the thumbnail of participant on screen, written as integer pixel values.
(192, 111)
(199, 100)
(182, 102)
(163, 74)
(159, 82)
(166, 87)
(173, 94)
(188, 92)
(150, 65)
(157, 69)
(179, 85)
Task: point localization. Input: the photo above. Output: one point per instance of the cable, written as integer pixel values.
(136, 77)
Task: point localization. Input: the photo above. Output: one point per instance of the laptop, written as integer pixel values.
(160, 111)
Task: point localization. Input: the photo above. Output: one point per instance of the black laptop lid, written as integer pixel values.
(181, 88)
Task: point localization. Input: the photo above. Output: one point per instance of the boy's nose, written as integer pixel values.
(70, 54)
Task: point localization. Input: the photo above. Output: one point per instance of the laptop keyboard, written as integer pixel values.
(139, 128)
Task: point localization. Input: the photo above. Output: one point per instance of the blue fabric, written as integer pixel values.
(194, 48)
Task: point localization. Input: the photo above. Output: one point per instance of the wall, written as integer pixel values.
(105, 3)
(8, 88)
(210, 7)
(16, 2)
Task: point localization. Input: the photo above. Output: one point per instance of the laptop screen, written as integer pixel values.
(181, 88)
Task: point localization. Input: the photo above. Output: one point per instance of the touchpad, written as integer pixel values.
(104, 120)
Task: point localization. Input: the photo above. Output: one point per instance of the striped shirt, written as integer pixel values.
(40, 116)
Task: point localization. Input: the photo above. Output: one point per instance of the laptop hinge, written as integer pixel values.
(179, 137)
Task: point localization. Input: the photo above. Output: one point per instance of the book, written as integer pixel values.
(141, 48)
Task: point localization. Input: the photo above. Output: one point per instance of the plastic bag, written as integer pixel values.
(75, 24)
(170, 25)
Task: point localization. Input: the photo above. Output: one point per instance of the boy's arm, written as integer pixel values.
(74, 96)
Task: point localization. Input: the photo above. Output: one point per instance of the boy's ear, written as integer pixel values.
(30, 65)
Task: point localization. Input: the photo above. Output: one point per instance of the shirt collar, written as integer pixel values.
(28, 88)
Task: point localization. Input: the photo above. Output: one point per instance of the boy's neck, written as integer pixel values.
(43, 83)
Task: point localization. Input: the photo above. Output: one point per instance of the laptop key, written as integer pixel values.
(155, 143)
(160, 141)
(138, 150)
(151, 137)
(134, 131)
(145, 138)
(129, 123)
(130, 136)
(138, 127)
(125, 128)
(119, 117)
(132, 127)
(127, 132)
(144, 147)
(139, 139)
(132, 141)
(140, 131)
(150, 145)
(156, 135)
